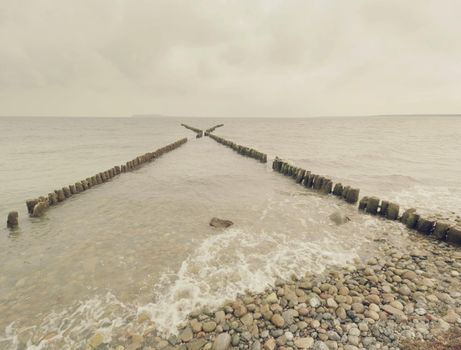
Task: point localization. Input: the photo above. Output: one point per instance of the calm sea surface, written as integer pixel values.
(141, 244)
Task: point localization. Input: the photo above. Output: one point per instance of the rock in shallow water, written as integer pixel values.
(220, 223)
(339, 218)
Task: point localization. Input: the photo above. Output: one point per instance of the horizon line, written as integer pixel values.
(154, 115)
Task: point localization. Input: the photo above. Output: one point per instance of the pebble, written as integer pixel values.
(96, 340)
(314, 302)
(278, 320)
(209, 326)
(404, 290)
(304, 343)
(223, 341)
(396, 296)
(186, 335)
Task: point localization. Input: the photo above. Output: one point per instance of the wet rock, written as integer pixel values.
(304, 343)
(256, 345)
(196, 344)
(272, 298)
(339, 218)
(12, 220)
(209, 326)
(239, 309)
(278, 320)
(222, 342)
(220, 316)
(96, 340)
(186, 335)
(247, 319)
(394, 311)
(289, 316)
(404, 290)
(220, 223)
(196, 325)
(270, 344)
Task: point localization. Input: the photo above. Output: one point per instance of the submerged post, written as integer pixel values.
(12, 221)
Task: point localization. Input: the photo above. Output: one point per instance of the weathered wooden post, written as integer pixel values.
(363, 203)
(425, 226)
(352, 195)
(31, 204)
(52, 198)
(67, 192)
(60, 194)
(454, 235)
(406, 215)
(338, 190)
(440, 230)
(412, 220)
(78, 187)
(327, 185)
(372, 205)
(384, 206)
(39, 209)
(12, 220)
(392, 212)
(98, 179)
(300, 175)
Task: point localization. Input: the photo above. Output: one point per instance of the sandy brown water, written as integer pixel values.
(142, 244)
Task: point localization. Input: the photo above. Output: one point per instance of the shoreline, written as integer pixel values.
(405, 296)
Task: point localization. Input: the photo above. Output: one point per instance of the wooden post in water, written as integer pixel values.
(12, 220)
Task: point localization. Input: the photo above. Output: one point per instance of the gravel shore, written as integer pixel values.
(405, 297)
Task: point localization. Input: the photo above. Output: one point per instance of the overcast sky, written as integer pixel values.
(277, 58)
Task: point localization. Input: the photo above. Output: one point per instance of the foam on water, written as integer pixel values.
(70, 328)
(235, 261)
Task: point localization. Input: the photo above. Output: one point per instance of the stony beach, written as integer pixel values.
(407, 296)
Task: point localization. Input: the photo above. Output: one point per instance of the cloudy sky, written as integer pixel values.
(277, 58)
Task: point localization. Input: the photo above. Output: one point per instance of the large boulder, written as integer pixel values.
(220, 223)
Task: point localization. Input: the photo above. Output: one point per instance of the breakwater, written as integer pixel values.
(199, 132)
(36, 207)
(440, 230)
(319, 183)
(210, 130)
(243, 150)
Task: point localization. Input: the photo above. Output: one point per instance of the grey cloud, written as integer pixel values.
(229, 57)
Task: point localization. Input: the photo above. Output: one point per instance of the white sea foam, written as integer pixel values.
(233, 262)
